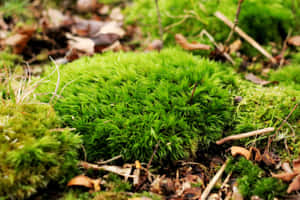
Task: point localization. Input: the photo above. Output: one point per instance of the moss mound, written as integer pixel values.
(127, 103)
(32, 152)
(267, 20)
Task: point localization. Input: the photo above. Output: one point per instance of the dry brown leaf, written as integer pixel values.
(112, 27)
(96, 184)
(56, 18)
(295, 40)
(256, 152)
(295, 185)
(235, 150)
(86, 28)
(255, 79)
(19, 40)
(286, 167)
(296, 165)
(86, 5)
(269, 158)
(182, 41)
(116, 14)
(82, 44)
(285, 176)
(81, 180)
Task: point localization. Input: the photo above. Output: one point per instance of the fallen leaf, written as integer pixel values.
(86, 28)
(104, 10)
(235, 150)
(140, 198)
(182, 41)
(82, 44)
(116, 14)
(19, 40)
(285, 176)
(256, 152)
(81, 180)
(56, 18)
(295, 185)
(96, 184)
(255, 79)
(295, 40)
(236, 195)
(296, 165)
(86, 5)
(286, 167)
(270, 158)
(112, 27)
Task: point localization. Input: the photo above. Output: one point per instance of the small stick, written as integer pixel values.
(110, 160)
(285, 120)
(161, 32)
(245, 135)
(244, 35)
(221, 49)
(236, 21)
(193, 92)
(152, 156)
(213, 182)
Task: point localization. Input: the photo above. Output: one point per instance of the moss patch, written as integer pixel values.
(31, 153)
(127, 103)
(251, 180)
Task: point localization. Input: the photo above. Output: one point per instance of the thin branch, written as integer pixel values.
(213, 181)
(152, 156)
(161, 32)
(244, 35)
(236, 21)
(110, 160)
(245, 135)
(285, 120)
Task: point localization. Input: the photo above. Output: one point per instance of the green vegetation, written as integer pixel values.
(251, 180)
(289, 76)
(127, 103)
(264, 20)
(9, 60)
(32, 151)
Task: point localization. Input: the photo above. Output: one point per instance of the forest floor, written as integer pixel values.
(36, 34)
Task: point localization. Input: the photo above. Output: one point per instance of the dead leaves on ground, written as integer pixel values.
(293, 176)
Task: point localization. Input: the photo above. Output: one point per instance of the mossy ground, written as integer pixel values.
(120, 102)
(32, 153)
(264, 20)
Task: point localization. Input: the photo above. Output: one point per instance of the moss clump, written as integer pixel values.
(267, 20)
(32, 153)
(288, 76)
(8, 60)
(128, 102)
(251, 180)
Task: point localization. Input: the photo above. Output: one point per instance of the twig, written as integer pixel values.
(221, 49)
(161, 32)
(285, 120)
(58, 79)
(244, 35)
(152, 156)
(110, 160)
(284, 48)
(213, 182)
(236, 21)
(245, 135)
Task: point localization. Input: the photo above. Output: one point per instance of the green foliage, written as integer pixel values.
(128, 102)
(251, 181)
(9, 60)
(264, 107)
(289, 76)
(116, 184)
(31, 154)
(13, 7)
(264, 20)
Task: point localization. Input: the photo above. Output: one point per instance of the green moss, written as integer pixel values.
(31, 154)
(9, 60)
(289, 76)
(264, 107)
(264, 20)
(251, 180)
(128, 102)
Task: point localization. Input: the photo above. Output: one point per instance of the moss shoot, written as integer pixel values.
(32, 151)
